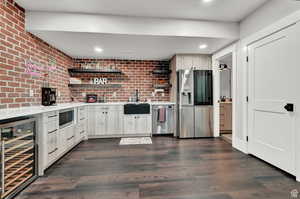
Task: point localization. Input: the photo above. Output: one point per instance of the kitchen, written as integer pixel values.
(97, 103)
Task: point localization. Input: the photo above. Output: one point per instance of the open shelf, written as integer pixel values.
(94, 71)
(161, 71)
(162, 86)
(95, 85)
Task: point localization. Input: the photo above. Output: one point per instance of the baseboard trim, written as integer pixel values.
(240, 145)
(118, 136)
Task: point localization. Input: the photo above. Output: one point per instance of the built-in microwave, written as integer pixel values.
(66, 118)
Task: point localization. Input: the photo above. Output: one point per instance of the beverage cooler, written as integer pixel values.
(18, 155)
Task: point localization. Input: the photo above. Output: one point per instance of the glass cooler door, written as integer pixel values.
(18, 155)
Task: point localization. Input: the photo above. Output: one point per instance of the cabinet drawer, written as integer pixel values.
(82, 113)
(52, 155)
(51, 127)
(111, 107)
(70, 141)
(52, 142)
(52, 148)
(81, 128)
(51, 116)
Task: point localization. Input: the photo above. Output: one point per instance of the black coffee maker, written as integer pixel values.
(48, 96)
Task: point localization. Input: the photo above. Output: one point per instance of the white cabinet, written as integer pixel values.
(114, 122)
(129, 124)
(52, 146)
(55, 142)
(105, 121)
(70, 137)
(142, 125)
(48, 147)
(137, 124)
(62, 137)
(80, 129)
(101, 122)
(91, 122)
(196, 61)
(80, 132)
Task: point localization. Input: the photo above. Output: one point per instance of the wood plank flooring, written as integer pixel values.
(167, 169)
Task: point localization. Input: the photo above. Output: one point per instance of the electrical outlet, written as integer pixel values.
(114, 94)
(30, 93)
(153, 94)
(58, 93)
(83, 94)
(162, 94)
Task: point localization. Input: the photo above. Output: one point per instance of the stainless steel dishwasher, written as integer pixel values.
(165, 124)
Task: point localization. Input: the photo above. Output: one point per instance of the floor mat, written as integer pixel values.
(135, 141)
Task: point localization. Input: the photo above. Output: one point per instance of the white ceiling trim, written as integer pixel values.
(109, 24)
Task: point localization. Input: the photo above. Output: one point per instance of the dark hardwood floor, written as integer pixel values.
(168, 169)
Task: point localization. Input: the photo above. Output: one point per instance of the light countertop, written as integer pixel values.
(34, 110)
(225, 102)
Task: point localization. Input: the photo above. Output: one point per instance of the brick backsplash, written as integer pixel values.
(136, 74)
(17, 45)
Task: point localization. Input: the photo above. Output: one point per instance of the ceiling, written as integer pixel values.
(81, 45)
(219, 10)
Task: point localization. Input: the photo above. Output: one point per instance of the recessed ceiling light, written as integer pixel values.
(207, 1)
(97, 49)
(203, 46)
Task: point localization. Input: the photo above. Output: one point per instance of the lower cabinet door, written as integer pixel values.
(70, 137)
(77, 132)
(62, 141)
(81, 131)
(101, 120)
(141, 124)
(129, 124)
(91, 121)
(113, 122)
(52, 149)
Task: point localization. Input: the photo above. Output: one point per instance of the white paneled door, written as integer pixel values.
(273, 109)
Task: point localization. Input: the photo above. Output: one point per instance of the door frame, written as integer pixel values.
(216, 79)
(243, 54)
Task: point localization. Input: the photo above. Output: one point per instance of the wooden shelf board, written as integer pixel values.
(18, 138)
(161, 72)
(18, 146)
(18, 153)
(95, 85)
(162, 86)
(11, 164)
(95, 71)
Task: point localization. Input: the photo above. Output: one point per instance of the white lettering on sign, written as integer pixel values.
(100, 81)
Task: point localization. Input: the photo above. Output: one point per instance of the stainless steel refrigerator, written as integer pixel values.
(195, 103)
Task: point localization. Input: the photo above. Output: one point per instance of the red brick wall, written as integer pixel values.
(136, 74)
(17, 45)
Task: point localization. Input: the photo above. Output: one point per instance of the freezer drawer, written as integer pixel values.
(186, 125)
(203, 121)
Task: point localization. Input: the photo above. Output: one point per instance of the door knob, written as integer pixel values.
(289, 107)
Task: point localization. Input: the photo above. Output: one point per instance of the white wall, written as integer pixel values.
(271, 12)
(225, 79)
(271, 17)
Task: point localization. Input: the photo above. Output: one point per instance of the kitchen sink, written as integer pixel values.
(139, 108)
